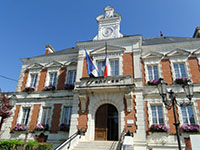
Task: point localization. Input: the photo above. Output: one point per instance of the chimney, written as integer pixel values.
(49, 49)
(196, 33)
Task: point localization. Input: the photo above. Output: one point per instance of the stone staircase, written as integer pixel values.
(96, 145)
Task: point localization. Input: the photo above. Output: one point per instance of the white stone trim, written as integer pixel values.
(25, 105)
(152, 62)
(96, 101)
(34, 71)
(157, 102)
(195, 111)
(52, 70)
(184, 60)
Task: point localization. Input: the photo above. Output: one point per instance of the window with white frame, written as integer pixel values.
(152, 72)
(71, 77)
(179, 70)
(52, 78)
(25, 115)
(157, 114)
(67, 111)
(114, 66)
(188, 115)
(46, 114)
(33, 80)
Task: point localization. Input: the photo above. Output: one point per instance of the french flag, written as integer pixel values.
(91, 69)
(106, 69)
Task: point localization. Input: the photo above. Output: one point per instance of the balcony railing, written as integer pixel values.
(126, 80)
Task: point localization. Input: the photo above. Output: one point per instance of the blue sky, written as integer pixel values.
(26, 26)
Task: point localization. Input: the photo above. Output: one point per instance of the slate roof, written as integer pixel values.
(166, 40)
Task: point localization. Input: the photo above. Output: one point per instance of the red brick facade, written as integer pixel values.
(166, 71)
(83, 117)
(194, 69)
(130, 116)
(24, 81)
(128, 64)
(34, 117)
(61, 79)
(15, 117)
(84, 72)
(146, 116)
(42, 80)
(55, 118)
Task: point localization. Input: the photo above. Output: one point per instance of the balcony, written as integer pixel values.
(108, 82)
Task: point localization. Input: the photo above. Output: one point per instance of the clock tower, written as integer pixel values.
(109, 25)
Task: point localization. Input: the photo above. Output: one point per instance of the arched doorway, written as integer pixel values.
(106, 123)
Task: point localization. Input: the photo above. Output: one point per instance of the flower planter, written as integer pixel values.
(190, 128)
(154, 82)
(49, 88)
(41, 127)
(41, 138)
(181, 80)
(29, 89)
(158, 128)
(20, 127)
(69, 87)
(64, 127)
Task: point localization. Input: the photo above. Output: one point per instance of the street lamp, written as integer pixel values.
(162, 88)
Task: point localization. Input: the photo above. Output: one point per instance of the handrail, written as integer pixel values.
(68, 141)
(121, 140)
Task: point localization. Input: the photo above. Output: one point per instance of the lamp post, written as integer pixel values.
(162, 88)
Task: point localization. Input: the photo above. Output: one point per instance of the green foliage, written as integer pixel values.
(31, 145)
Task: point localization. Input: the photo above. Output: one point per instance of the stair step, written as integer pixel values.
(96, 145)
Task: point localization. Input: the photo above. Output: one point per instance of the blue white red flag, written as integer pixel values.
(106, 65)
(91, 69)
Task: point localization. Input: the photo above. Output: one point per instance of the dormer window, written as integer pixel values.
(52, 78)
(179, 69)
(33, 80)
(152, 72)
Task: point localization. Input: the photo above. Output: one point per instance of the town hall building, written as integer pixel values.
(56, 96)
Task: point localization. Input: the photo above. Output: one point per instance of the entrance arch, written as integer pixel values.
(106, 123)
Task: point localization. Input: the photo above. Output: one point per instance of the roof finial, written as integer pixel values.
(161, 33)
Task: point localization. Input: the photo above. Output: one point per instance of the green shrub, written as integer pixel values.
(18, 145)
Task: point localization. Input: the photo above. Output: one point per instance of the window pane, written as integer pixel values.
(71, 77)
(157, 115)
(155, 71)
(182, 68)
(53, 78)
(67, 115)
(184, 114)
(191, 115)
(176, 69)
(33, 80)
(150, 72)
(25, 116)
(114, 65)
(100, 68)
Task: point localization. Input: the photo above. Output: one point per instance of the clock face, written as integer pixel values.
(107, 31)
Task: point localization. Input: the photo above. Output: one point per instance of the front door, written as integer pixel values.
(106, 123)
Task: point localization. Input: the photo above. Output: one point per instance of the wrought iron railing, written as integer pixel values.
(121, 140)
(69, 140)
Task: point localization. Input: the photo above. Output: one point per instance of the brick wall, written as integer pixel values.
(34, 117)
(194, 69)
(143, 73)
(146, 116)
(83, 117)
(42, 80)
(130, 116)
(171, 120)
(61, 78)
(128, 64)
(55, 118)
(84, 73)
(166, 71)
(24, 81)
(15, 117)
(198, 106)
